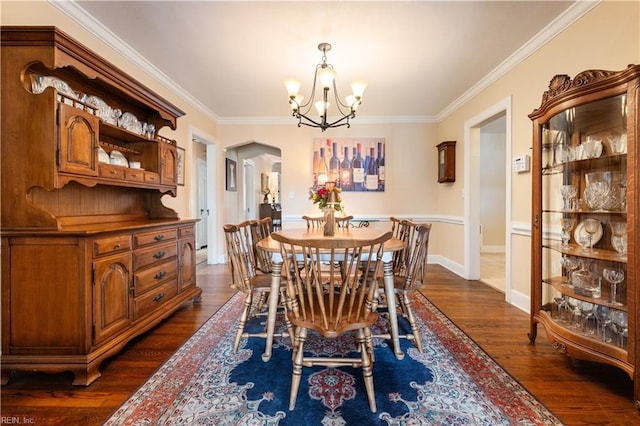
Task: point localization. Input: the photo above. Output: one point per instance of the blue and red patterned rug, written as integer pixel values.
(453, 382)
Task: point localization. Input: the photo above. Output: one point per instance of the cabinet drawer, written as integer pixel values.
(148, 278)
(153, 237)
(112, 172)
(160, 253)
(148, 303)
(107, 245)
(134, 175)
(186, 231)
(151, 177)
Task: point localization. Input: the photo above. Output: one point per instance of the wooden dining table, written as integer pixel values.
(308, 236)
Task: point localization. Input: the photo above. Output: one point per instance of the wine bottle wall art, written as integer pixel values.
(355, 164)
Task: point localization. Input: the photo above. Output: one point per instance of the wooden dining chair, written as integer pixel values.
(346, 302)
(409, 269)
(261, 229)
(244, 278)
(317, 222)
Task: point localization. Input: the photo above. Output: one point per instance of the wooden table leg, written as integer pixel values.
(274, 295)
(391, 306)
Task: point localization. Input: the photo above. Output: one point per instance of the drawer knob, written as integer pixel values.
(116, 246)
(160, 275)
(159, 297)
(159, 255)
(159, 237)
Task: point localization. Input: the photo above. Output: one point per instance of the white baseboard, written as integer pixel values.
(492, 249)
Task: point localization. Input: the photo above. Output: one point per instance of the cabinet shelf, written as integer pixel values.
(577, 250)
(560, 284)
(589, 163)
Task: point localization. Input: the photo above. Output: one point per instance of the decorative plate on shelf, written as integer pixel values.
(118, 159)
(103, 157)
(581, 236)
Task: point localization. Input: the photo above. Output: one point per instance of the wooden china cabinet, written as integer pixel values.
(90, 256)
(585, 230)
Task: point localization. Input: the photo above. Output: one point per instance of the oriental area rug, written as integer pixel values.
(453, 382)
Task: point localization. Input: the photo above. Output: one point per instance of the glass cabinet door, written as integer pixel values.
(584, 222)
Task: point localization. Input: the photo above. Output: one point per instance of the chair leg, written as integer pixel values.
(261, 302)
(367, 369)
(296, 375)
(288, 324)
(412, 321)
(243, 321)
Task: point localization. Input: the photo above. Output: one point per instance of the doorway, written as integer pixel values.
(203, 207)
(486, 193)
(249, 190)
(203, 199)
(493, 202)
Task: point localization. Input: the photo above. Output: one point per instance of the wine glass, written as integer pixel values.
(590, 227)
(570, 263)
(568, 193)
(574, 313)
(619, 237)
(603, 318)
(614, 276)
(567, 225)
(620, 323)
(587, 314)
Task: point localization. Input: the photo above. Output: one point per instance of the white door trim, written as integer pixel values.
(471, 193)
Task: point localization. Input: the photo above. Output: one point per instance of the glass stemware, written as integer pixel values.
(620, 324)
(588, 315)
(614, 276)
(619, 237)
(567, 225)
(568, 192)
(603, 318)
(574, 313)
(591, 227)
(570, 263)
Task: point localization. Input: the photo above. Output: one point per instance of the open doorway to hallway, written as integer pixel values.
(493, 202)
(487, 197)
(203, 200)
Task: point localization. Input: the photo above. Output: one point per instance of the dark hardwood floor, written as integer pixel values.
(579, 393)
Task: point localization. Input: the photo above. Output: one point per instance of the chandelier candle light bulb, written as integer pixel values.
(325, 77)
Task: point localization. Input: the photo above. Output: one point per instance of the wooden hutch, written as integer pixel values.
(91, 257)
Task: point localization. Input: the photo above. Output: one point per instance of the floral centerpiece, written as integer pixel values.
(328, 199)
(327, 196)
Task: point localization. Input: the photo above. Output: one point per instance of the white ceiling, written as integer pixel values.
(420, 58)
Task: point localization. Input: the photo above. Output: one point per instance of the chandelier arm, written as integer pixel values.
(301, 116)
(335, 123)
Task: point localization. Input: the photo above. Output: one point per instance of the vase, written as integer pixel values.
(329, 222)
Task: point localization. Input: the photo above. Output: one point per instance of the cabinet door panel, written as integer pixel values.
(168, 164)
(187, 255)
(111, 296)
(78, 141)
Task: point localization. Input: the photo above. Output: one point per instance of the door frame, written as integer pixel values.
(471, 192)
(204, 206)
(213, 249)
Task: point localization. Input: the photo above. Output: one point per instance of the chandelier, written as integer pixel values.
(324, 77)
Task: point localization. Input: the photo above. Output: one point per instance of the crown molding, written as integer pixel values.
(555, 27)
(95, 27)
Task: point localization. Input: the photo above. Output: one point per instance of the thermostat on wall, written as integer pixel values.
(521, 164)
